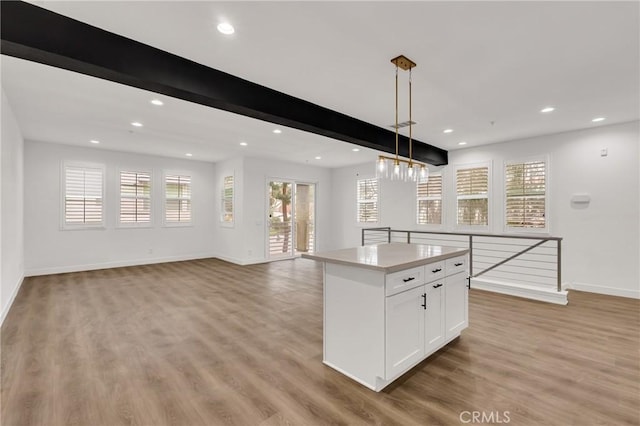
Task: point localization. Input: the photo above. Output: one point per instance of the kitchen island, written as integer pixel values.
(389, 306)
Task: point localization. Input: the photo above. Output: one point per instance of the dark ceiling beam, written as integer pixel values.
(36, 34)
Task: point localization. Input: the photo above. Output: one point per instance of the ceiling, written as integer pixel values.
(485, 69)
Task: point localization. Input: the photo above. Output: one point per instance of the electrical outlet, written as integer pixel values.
(150, 251)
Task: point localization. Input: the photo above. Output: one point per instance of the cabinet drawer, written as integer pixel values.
(456, 264)
(403, 280)
(433, 271)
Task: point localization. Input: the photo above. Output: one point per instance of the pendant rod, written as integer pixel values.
(410, 124)
(396, 114)
(403, 173)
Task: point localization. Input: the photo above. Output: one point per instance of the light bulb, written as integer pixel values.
(381, 165)
(424, 173)
(226, 28)
(396, 169)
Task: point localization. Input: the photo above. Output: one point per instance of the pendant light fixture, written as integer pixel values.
(396, 168)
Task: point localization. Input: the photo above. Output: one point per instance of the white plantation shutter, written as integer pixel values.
(525, 194)
(429, 198)
(83, 195)
(472, 189)
(227, 199)
(177, 199)
(367, 201)
(135, 197)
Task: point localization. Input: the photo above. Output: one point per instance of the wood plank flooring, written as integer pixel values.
(209, 343)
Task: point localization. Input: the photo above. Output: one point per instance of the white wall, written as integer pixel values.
(48, 249)
(600, 248)
(246, 241)
(11, 202)
(601, 242)
(230, 243)
(395, 207)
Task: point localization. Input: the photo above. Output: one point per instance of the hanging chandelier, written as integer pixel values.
(396, 168)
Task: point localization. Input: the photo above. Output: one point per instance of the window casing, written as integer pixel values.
(135, 198)
(429, 200)
(472, 191)
(525, 195)
(83, 196)
(177, 205)
(226, 205)
(367, 201)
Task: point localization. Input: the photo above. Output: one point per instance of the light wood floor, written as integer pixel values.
(207, 343)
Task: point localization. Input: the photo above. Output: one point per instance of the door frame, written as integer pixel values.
(267, 227)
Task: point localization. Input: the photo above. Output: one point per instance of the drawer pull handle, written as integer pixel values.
(437, 286)
(406, 280)
(424, 300)
(459, 264)
(436, 270)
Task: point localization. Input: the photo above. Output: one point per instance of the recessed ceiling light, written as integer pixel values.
(597, 119)
(157, 102)
(462, 143)
(277, 131)
(136, 124)
(188, 154)
(94, 141)
(243, 144)
(318, 158)
(355, 149)
(447, 131)
(547, 109)
(226, 28)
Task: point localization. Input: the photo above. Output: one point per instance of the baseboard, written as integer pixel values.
(244, 262)
(611, 291)
(241, 262)
(118, 264)
(233, 260)
(521, 290)
(14, 293)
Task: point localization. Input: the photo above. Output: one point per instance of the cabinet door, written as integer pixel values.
(404, 330)
(434, 318)
(456, 305)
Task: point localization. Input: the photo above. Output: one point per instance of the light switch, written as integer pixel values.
(604, 152)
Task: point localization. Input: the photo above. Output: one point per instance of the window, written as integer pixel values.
(177, 207)
(135, 198)
(525, 194)
(227, 200)
(83, 196)
(472, 189)
(429, 196)
(367, 200)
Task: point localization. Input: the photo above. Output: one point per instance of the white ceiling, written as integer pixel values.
(55, 105)
(478, 63)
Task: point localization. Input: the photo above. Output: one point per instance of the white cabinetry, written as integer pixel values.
(456, 297)
(381, 318)
(434, 317)
(456, 306)
(405, 327)
(422, 319)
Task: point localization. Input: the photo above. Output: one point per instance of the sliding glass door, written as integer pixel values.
(304, 219)
(291, 218)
